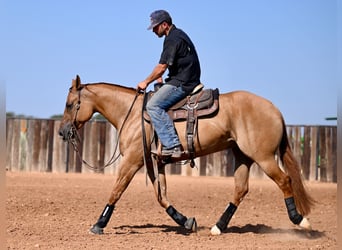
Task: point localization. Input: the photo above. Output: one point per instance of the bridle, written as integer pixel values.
(75, 140)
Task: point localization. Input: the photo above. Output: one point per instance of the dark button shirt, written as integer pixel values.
(180, 55)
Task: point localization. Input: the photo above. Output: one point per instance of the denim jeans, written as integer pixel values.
(157, 107)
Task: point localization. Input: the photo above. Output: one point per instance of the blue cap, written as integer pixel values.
(157, 17)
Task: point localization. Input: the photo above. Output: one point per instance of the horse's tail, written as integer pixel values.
(303, 200)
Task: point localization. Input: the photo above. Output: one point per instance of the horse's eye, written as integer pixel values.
(69, 106)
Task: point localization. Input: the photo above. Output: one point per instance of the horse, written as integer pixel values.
(248, 124)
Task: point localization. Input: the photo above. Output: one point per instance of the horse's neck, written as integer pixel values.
(112, 101)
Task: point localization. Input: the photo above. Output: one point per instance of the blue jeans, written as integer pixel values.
(157, 107)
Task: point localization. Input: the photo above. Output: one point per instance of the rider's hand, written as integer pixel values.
(159, 80)
(142, 85)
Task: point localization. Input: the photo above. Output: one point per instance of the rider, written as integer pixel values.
(180, 58)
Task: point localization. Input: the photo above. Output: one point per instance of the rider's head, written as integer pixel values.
(158, 17)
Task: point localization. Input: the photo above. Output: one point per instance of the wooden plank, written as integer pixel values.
(306, 153)
(313, 154)
(290, 136)
(14, 145)
(89, 149)
(112, 149)
(59, 151)
(36, 128)
(216, 166)
(230, 162)
(329, 154)
(23, 145)
(175, 168)
(29, 151)
(334, 153)
(102, 143)
(297, 145)
(203, 165)
(9, 144)
(322, 154)
(51, 125)
(43, 147)
(77, 156)
(209, 167)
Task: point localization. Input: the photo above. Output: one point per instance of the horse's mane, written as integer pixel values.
(111, 85)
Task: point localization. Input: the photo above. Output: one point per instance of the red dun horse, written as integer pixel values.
(252, 126)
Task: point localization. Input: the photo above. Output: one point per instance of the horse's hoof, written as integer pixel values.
(191, 224)
(96, 229)
(305, 224)
(215, 230)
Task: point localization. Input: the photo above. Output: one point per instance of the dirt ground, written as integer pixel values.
(55, 211)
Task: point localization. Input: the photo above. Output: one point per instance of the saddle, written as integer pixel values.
(201, 103)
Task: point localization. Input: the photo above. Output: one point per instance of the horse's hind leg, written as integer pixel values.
(160, 189)
(241, 175)
(271, 168)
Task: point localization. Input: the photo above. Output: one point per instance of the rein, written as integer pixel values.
(74, 137)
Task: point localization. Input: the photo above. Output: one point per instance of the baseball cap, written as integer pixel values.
(158, 17)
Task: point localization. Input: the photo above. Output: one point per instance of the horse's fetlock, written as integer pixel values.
(176, 216)
(105, 216)
(294, 216)
(226, 216)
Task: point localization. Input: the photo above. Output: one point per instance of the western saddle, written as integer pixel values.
(200, 103)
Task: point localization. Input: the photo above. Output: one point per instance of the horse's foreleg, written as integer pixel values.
(160, 189)
(241, 175)
(126, 173)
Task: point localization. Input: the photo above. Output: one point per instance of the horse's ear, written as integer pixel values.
(76, 82)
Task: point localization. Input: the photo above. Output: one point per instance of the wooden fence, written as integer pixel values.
(34, 145)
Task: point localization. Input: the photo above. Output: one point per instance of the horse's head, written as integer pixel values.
(77, 111)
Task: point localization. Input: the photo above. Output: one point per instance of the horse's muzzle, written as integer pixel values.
(67, 132)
